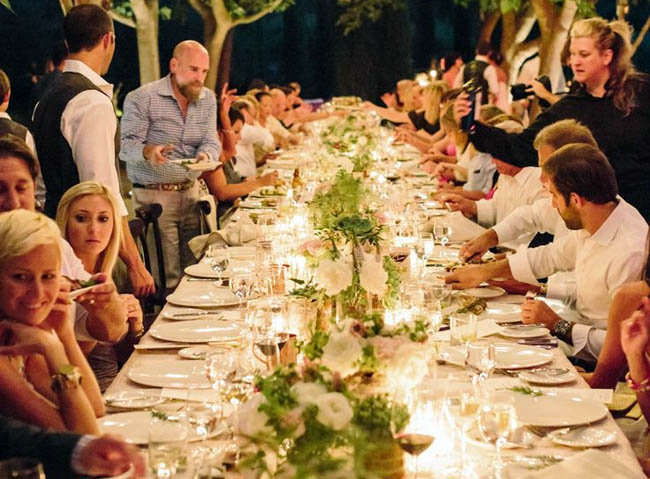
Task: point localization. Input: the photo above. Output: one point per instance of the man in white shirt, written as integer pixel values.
(75, 126)
(606, 248)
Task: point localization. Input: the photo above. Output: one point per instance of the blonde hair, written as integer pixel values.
(91, 188)
(22, 230)
(614, 36)
(564, 132)
(405, 91)
(432, 106)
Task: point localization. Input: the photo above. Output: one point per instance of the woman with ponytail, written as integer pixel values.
(613, 101)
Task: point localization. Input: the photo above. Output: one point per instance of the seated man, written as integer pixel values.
(540, 216)
(606, 248)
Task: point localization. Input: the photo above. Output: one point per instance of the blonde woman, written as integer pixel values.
(50, 383)
(88, 218)
(613, 101)
(425, 121)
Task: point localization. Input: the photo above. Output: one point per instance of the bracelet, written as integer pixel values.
(562, 330)
(67, 377)
(642, 387)
(543, 289)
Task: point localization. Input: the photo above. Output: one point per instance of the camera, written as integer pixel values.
(519, 91)
(474, 90)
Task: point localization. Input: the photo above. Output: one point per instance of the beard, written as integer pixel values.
(572, 219)
(191, 91)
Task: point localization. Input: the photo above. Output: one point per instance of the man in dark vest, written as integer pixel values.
(75, 127)
(482, 72)
(8, 126)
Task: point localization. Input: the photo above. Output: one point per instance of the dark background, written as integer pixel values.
(301, 44)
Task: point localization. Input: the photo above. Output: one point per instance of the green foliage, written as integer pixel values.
(314, 348)
(239, 9)
(393, 281)
(416, 333)
(359, 230)
(368, 362)
(7, 5)
(586, 8)
(528, 391)
(307, 290)
(356, 12)
(343, 199)
(376, 416)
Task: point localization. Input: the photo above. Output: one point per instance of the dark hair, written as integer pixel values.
(84, 26)
(450, 59)
(5, 85)
(495, 56)
(59, 54)
(234, 114)
(483, 48)
(286, 89)
(12, 146)
(584, 170)
(257, 83)
(260, 94)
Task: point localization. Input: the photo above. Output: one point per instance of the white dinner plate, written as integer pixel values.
(557, 411)
(197, 331)
(487, 292)
(520, 438)
(134, 399)
(192, 164)
(507, 356)
(542, 376)
(259, 203)
(204, 270)
(523, 331)
(170, 373)
(503, 313)
(133, 426)
(201, 295)
(583, 437)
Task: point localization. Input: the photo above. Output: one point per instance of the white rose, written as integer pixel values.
(334, 411)
(410, 361)
(341, 352)
(372, 276)
(307, 393)
(250, 421)
(334, 276)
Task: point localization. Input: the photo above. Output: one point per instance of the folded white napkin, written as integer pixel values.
(462, 229)
(486, 327)
(194, 395)
(234, 234)
(592, 463)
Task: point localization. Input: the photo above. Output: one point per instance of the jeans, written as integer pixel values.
(179, 222)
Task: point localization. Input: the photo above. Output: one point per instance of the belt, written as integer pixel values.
(166, 186)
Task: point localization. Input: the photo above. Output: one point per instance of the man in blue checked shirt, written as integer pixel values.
(169, 119)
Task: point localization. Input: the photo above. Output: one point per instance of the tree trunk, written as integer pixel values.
(215, 47)
(487, 27)
(223, 74)
(146, 16)
(554, 27)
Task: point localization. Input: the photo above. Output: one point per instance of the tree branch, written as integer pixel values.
(200, 7)
(639, 37)
(525, 22)
(258, 15)
(129, 22)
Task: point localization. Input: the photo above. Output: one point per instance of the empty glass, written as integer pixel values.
(497, 419)
(463, 328)
(480, 358)
(168, 436)
(442, 232)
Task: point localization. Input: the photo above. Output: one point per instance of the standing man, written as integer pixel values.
(172, 118)
(75, 126)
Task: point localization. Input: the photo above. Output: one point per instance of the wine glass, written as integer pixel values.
(497, 419)
(414, 441)
(22, 468)
(220, 364)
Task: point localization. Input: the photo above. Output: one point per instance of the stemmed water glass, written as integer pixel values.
(497, 420)
(220, 365)
(480, 358)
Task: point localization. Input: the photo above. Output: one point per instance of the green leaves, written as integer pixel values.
(356, 12)
(376, 416)
(7, 5)
(246, 8)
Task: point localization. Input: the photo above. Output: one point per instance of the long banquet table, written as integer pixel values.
(153, 351)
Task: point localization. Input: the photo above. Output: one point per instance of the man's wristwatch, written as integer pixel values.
(562, 330)
(67, 377)
(543, 289)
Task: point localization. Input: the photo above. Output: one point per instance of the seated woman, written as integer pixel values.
(424, 130)
(44, 389)
(224, 182)
(86, 216)
(611, 361)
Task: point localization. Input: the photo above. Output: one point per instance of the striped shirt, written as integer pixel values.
(152, 116)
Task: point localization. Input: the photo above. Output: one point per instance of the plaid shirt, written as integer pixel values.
(152, 116)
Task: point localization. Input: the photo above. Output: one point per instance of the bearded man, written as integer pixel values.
(169, 119)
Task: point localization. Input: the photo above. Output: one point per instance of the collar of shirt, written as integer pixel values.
(166, 88)
(77, 66)
(4, 114)
(605, 234)
(482, 58)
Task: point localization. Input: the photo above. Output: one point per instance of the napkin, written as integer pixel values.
(234, 234)
(462, 229)
(592, 463)
(486, 327)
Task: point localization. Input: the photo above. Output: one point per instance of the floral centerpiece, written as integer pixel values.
(354, 137)
(349, 263)
(306, 424)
